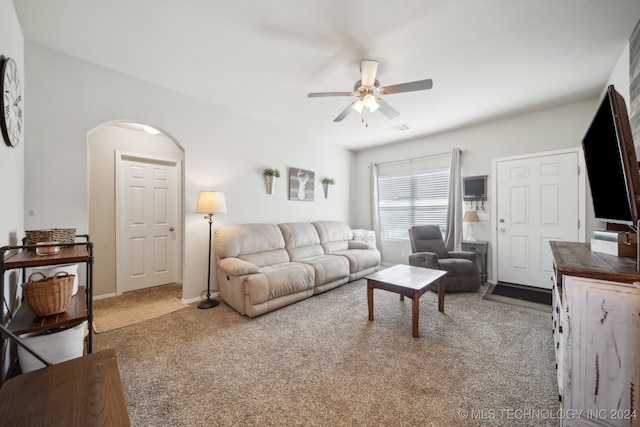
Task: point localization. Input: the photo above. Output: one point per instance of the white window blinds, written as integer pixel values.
(415, 198)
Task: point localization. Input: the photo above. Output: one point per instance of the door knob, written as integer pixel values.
(501, 220)
(502, 229)
(171, 228)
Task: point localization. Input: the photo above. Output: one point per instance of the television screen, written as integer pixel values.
(610, 158)
(475, 188)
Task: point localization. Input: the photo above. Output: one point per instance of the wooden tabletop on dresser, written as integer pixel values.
(576, 259)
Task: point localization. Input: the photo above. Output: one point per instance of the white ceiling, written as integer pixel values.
(488, 59)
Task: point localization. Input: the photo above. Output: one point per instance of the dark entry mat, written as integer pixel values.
(541, 296)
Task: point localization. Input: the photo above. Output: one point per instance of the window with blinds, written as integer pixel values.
(412, 199)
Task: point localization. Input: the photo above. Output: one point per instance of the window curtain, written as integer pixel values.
(453, 235)
(375, 211)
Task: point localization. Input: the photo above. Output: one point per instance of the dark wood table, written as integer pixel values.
(86, 391)
(408, 281)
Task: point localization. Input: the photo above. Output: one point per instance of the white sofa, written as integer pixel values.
(262, 267)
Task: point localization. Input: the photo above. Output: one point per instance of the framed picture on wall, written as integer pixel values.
(301, 184)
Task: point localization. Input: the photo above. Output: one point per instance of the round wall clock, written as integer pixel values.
(11, 118)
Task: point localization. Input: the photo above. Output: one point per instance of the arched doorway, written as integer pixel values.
(110, 147)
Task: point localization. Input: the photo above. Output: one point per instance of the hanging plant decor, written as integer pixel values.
(270, 176)
(326, 185)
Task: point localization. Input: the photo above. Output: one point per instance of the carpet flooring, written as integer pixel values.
(321, 362)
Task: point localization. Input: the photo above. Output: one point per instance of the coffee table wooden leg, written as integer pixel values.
(441, 292)
(370, 300)
(416, 314)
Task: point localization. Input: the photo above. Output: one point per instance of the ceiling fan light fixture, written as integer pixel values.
(369, 101)
(369, 94)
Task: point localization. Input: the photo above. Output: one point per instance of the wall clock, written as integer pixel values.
(11, 118)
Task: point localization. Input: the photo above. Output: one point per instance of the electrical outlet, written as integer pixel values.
(484, 216)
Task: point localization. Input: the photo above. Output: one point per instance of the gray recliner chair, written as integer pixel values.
(429, 251)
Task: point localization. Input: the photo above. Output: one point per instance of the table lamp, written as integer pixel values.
(471, 217)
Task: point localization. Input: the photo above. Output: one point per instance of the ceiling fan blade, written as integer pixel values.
(323, 94)
(344, 114)
(407, 87)
(369, 68)
(387, 109)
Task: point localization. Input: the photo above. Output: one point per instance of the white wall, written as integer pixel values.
(225, 151)
(620, 77)
(11, 165)
(546, 130)
(11, 158)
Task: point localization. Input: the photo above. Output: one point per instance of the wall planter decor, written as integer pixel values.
(326, 185)
(270, 176)
(301, 184)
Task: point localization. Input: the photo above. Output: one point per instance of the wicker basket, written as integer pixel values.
(59, 235)
(49, 296)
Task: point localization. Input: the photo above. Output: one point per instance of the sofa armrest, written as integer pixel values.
(471, 256)
(358, 244)
(237, 267)
(424, 259)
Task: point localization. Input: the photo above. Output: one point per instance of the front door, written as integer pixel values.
(537, 202)
(147, 217)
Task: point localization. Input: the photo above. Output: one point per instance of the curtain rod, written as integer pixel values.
(462, 150)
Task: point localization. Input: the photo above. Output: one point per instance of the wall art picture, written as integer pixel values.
(301, 184)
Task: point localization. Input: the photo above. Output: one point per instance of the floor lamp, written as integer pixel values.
(210, 203)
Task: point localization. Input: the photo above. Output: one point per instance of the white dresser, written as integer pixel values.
(596, 331)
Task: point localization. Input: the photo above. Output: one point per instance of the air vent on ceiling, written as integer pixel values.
(400, 128)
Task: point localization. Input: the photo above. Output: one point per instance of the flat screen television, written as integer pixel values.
(474, 188)
(612, 167)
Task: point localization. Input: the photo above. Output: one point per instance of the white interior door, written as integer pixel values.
(537, 201)
(147, 221)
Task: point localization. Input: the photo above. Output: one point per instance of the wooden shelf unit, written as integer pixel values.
(81, 306)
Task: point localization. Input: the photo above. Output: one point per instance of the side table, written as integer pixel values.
(481, 248)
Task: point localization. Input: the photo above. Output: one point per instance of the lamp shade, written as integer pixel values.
(471, 216)
(211, 202)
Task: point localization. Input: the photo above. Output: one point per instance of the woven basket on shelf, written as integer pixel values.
(58, 235)
(49, 296)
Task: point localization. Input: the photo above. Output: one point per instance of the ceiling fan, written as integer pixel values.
(368, 92)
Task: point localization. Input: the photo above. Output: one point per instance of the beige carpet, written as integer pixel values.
(129, 309)
(321, 362)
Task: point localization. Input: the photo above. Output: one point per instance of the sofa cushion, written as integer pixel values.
(260, 244)
(329, 268)
(360, 260)
(279, 280)
(237, 267)
(301, 240)
(334, 235)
